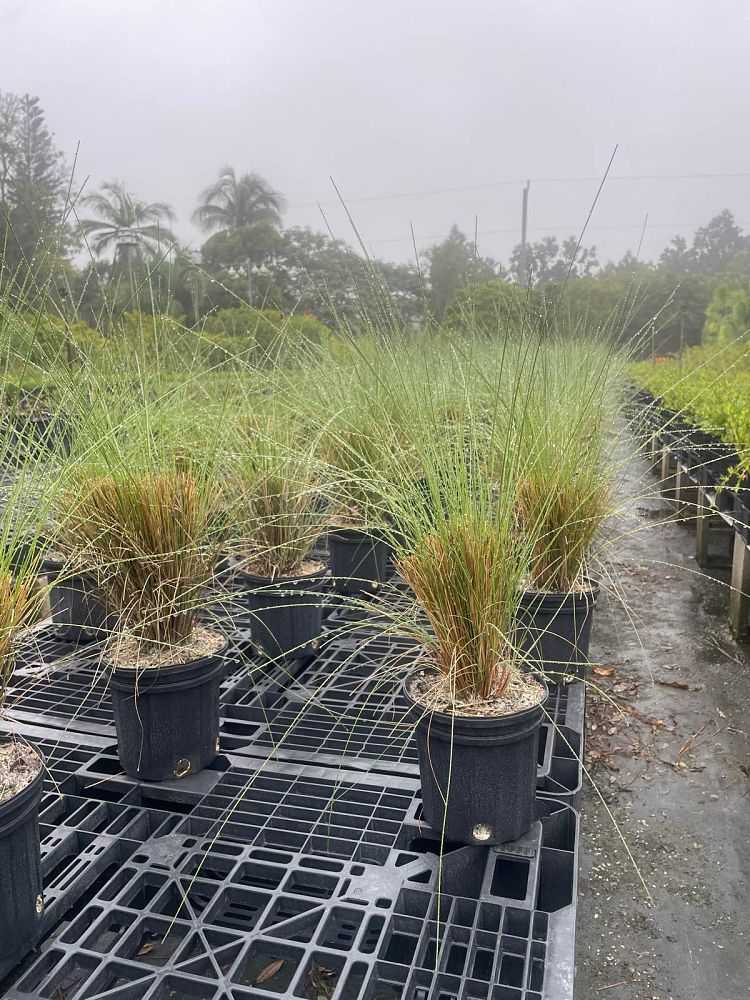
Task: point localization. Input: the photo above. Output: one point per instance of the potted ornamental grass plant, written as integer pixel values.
(153, 538)
(21, 777)
(280, 517)
(565, 492)
(357, 548)
(149, 523)
(475, 706)
(364, 442)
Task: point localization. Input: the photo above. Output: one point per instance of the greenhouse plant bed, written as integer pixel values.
(706, 457)
(290, 873)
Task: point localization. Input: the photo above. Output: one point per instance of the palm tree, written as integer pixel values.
(132, 229)
(126, 221)
(238, 201)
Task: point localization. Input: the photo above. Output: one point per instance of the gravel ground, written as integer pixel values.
(670, 772)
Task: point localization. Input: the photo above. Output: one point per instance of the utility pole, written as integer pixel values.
(524, 223)
(682, 339)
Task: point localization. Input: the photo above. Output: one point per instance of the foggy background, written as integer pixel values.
(424, 113)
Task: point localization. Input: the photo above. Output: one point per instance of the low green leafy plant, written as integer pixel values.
(708, 387)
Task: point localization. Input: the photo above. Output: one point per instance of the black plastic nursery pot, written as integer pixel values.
(478, 775)
(76, 610)
(716, 473)
(554, 630)
(286, 613)
(21, 900)
(167, 718)
(358, 561)
(673, 429)
(24, 552)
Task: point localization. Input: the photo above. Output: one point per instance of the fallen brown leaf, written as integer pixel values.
(641, 717)
(604, 671)
(680, 685)
(270, 970)
(147, 948)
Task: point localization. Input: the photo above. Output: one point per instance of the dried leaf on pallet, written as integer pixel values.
(147, 948)
(320, 983)
(270, 970)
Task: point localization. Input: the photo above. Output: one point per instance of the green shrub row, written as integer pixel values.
(707, 386)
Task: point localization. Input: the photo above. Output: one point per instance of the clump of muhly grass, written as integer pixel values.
(152, 540)
(20, 609)
(563, 519)
(356, 459)
(280, 511)
(24, 507)
(564, 488)
(463, 574)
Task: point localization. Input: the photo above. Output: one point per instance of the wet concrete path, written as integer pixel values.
(675, 776)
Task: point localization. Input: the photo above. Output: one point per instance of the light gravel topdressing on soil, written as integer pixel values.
(19, 765)
(674, 773)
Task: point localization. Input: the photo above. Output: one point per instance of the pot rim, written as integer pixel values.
(479, 721)
(281, 580)
(30, 790)
(126, 670)
(374, 534)
(593, 588)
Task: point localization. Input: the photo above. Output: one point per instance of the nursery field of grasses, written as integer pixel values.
(296, 652)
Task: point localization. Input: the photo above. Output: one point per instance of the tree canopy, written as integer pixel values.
(232, 202)
(32, 194)
(698, 288)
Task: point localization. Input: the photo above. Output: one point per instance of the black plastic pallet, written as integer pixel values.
(346, 709)
(64, 684)
(342, 708)
(394, 601)
(253, 881)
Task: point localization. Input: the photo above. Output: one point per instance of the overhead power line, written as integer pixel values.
(425, 192)
(570, 230)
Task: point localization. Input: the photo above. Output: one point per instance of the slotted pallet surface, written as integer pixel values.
(203, 885)
(298, 865)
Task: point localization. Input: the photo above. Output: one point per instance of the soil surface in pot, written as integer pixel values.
(19, 765)
(55, 556)
(432, 689)
(347, 521)
(306, 568)
(128, 652)
(584, 586)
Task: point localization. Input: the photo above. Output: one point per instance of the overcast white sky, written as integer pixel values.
(416, 98)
